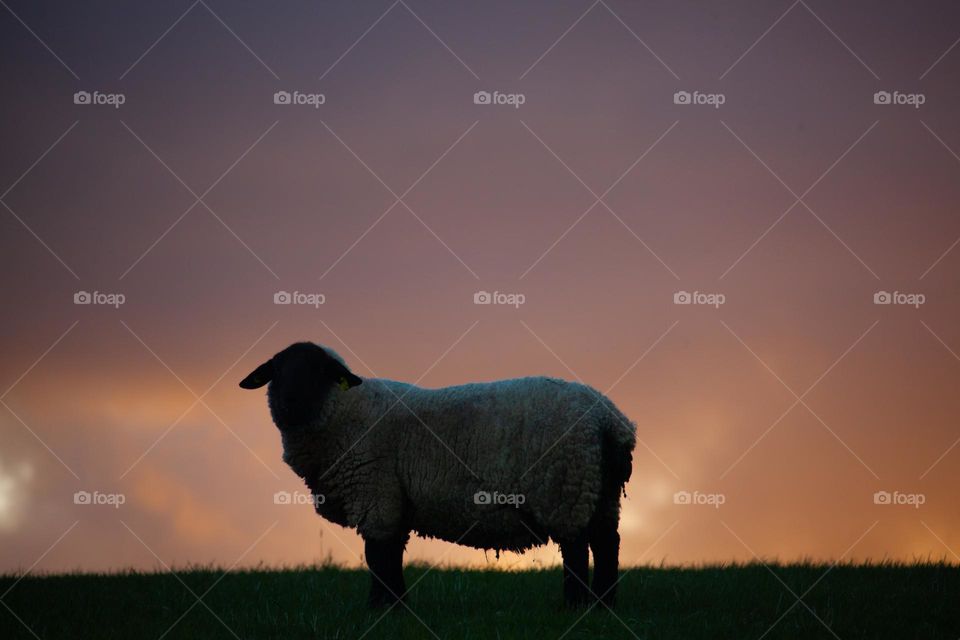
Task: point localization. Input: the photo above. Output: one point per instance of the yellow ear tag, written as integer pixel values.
(343, 384)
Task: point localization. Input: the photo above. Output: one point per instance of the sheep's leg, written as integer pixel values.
(385, 561)
(575, 572)
(605, 544)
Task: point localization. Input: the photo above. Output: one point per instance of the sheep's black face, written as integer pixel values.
(301, 377)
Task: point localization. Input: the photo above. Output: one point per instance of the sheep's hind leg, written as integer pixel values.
(385, 561)
(575, 572)
(605, 544)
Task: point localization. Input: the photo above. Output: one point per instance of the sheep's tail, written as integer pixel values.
(619, 439)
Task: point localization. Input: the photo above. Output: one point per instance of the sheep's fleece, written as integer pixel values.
(390, 457)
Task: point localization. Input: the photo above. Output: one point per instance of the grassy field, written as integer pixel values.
(741, 602)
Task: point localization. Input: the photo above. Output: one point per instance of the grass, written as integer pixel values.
(920, 600)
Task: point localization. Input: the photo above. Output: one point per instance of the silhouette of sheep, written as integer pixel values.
(498, 465)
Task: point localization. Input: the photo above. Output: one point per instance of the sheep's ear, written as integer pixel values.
(349, 381)
(345, 378)
(259, 377)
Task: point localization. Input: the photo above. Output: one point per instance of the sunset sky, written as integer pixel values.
(599, 198)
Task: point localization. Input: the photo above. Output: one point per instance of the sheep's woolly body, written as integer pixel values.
(387, 466)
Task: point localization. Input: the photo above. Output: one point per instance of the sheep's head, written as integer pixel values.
(301, 378)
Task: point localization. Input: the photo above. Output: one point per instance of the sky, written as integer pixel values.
(738, 220)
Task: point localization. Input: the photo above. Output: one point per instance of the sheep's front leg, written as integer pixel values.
(575, 571)
(385, 561)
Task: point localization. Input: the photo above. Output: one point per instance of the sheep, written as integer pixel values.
(503, 465)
